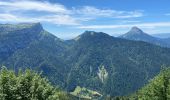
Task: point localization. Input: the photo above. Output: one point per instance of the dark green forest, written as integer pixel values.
(92, 65)
(157, 88)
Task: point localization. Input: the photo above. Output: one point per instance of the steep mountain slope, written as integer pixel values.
(30, 46)
(14, 37)
(138, 35)
(93, 60)
(158, 88)
(127, 64)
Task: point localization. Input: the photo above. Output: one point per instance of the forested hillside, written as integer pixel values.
(93, 60)
(157, 88)
(124, 65)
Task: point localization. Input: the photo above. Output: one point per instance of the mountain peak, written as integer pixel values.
(138, 35)
(92, 34)
(23, 25)
(89, 33)
(136, 30)
(6, 28)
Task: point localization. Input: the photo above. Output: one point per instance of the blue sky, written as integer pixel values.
(69, 18)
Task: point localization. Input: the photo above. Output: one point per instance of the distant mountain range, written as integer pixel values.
(162, 35)
(138, 35)
(94, 60)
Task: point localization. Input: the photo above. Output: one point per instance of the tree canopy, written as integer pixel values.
(158, 88)
(27, 85)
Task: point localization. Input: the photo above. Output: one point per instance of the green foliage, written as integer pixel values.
(158, 88)
(27, 85)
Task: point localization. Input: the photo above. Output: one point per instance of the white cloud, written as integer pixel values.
(131, 14)
(7, 17)
(19, 11)
(55, 19)
(142, 25)
(13, 18)
(36, 11)
(33, 5)
(59, 19)
(128, 21)
(95, 12)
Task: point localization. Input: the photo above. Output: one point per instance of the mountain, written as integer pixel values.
(162, 35)
(138, 35)
(128, 65)
(158, 88)
(14, 37)
(167, 40)
(93, 60)
(30, 46)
